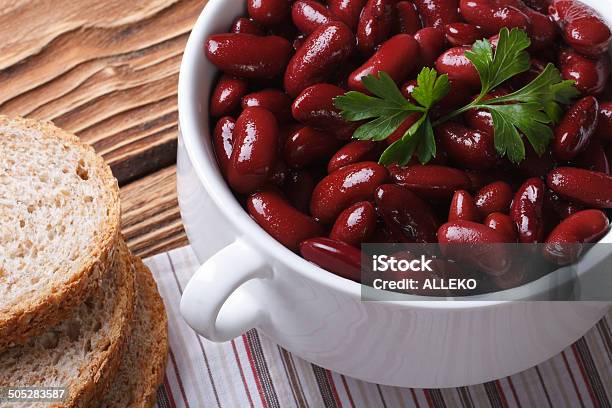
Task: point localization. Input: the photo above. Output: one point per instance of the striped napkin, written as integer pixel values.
(251, 371)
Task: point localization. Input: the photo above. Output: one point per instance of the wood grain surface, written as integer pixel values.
(107, 71)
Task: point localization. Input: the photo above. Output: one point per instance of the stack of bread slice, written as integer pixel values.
(77, 309)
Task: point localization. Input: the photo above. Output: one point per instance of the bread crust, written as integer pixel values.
(52, 304)
(101, 371)
(142, 370)
(100, 365)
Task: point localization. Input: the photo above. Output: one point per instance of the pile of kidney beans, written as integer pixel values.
(288, 155)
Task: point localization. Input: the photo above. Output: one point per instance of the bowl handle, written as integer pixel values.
(212, 285)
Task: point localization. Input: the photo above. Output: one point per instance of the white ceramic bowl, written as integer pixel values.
(250, 280)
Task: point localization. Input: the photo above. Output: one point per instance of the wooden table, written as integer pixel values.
(107, 71)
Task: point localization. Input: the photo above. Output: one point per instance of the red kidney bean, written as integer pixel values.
(286, 131)
(298, 189)
(226, 96)
(534, 165)
(279, 219)
(542, 30)
(344, 187)
(481, 119)
(458, 96)
(494, 197)
(588, 187)
(286, 29)
(299, 41)
(561, 207)
(436, 13)
(494, 40)
(353, 152)
(397, 57)
(408, 20)
(222, 141)
(315, 107)
(382, 235)
(347, 11)
(563, 245)
(604, 124)
(479, 179)
(608, 151)
(375, 24)
(468, 232)
(589, 75)
(407, 89)
(475, 244)
(454, 63)
(431, 181)
(244, 25)
(492, 15)
(408, 217)
(469, 148)
(269, 12)
(356, 224)
(594, 158)
(539, 5)
(273, 100)
(254, 150)
(526, 211)
(308, 145)
(279, 173)
(583, 28)
(308, 15)
(431, 43)
(575, 130)
(341, 75)
(327, 48)
(463, 207)
(503, 224)
(337, 257)
(458, 34)
(247, 55)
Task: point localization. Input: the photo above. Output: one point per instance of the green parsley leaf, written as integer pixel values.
(384, 88)
(356, 106)
(548, 86)
(529, 119)
(508, 60)
(529, 111)
(507, 139)
(426, 149)
(388, 109)
(430, 88)
(402, 150)
(381, 127)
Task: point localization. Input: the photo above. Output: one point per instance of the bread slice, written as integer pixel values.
(84, 351)
(59, 222)
(142, 370)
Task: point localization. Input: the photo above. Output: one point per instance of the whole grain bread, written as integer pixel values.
(83, 352)
(59, 223)
(143, 365)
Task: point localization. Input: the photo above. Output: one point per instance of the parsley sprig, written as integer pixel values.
(529, 111)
